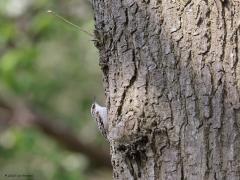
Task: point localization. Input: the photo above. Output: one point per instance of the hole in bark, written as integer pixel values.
(154, 123)
(122, 148)
(105, 69)
(200, 21)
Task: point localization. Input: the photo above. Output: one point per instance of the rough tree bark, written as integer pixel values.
(172, 81)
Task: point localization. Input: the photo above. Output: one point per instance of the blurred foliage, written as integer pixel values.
(54, 67)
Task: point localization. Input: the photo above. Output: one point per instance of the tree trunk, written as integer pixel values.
(172, 81)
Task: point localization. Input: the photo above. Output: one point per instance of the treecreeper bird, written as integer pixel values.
(99, 113)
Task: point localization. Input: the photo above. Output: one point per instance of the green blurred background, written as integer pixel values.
(53, 68)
